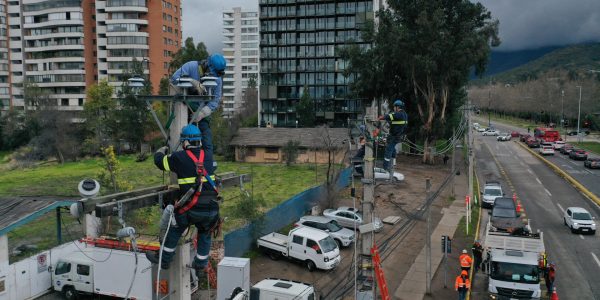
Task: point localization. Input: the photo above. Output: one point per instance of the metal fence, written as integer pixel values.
(240, 241)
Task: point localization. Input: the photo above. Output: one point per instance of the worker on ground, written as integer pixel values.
(197, 203)
(465, 261)
(213, 66)
(549, 277)
(477, 250)
(398, 120)
(462, 284)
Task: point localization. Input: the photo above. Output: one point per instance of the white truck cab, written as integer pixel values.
(315, 248)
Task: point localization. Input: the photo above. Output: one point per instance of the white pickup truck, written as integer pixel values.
(313, 247)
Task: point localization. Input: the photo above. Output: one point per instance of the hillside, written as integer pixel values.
(577, 58)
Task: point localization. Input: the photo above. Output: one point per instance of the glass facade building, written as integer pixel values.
(299, 50)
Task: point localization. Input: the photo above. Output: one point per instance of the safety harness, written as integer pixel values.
(202, 176)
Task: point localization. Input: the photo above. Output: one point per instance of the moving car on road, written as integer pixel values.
(524, 137)
(491, 131)
(348, 217)
(546, 150)
(574, 132)
(503, 137)
(342, 236)
(578, 154)
(592, 163)
(579, 219)
(566, 149)
(532, 143)
(558, 144)
(505, 220)
(480, 129)
(515, 134)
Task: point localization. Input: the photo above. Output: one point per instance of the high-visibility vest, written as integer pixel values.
(460, 283)
(465, 261)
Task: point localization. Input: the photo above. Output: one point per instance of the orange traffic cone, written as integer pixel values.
(554, 295)
(519, 207)
(515, 197)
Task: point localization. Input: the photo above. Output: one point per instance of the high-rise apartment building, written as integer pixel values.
(240, 48)
(65, 46)
(299, 41)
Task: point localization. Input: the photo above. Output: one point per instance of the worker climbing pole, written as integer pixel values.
(397, 120)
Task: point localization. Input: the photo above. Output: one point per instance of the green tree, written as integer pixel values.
(163, 88)
(111, 171)
(424, 51)
(100, 114)
(306, 110)
(290, 151)
(188, 52)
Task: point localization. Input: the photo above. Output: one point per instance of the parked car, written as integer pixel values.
(381, 173)
(533, 143)
(515, 134)
(480, 129)
(491, 131)
(592, 163)
(558, 144)
(476, 126)
(546, 150)
(342, 236)
(313, 247)
(505, 136)
(578, 154)
(574, 132)
(348, 217)
(579, 219)
(491, 191)
(566, 149)
(524, 137)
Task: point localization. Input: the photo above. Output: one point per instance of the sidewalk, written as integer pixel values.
(414, 287)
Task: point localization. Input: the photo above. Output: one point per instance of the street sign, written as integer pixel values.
(446, 244)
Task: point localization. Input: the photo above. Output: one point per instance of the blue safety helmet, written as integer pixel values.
(398, 103)
(190, 133)
(217, 64)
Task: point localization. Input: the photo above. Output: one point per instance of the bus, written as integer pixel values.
(547, 134)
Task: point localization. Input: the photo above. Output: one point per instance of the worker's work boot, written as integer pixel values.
(153, 257)
(201, 272)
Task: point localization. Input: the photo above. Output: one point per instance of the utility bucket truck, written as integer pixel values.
(511, 263)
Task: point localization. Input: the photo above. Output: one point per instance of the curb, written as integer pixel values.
(582, 189)
(476, 234)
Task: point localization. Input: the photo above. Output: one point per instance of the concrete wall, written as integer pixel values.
(305, 156)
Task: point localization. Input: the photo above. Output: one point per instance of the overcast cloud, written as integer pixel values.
(524, 24)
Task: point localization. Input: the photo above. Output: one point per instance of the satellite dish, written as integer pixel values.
(88, 188)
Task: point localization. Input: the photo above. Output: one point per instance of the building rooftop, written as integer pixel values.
(318, 137)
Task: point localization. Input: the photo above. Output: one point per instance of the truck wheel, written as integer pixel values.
(70, 293)
(310, 265)
(339, 243)
(274, 255)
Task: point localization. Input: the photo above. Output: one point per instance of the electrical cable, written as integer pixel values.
(81, 250)
(162, 245)
(135, 251)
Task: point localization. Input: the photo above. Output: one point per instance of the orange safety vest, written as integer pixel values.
(465, 261)
(459, 283)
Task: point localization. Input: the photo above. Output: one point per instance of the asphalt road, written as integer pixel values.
(545, 196)
(590, 178)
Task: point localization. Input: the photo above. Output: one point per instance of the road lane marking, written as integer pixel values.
(581, 236)
(596, 259)
(529, 170)
(548, 192)
(538, 180)
(561, 208)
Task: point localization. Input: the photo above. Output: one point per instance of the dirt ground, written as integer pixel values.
(400, 199)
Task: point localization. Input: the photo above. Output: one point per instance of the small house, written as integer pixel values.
(265, 145)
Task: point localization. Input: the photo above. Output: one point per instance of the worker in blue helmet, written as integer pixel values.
(213, 66)
(197, 203)
(398, 119)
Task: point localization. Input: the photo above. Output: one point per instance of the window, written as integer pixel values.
(271, 150)
(83, 270)
(62, 268)
(65, 102)
(312, 244)
(251, 151)
(80, 102)
(298, 240)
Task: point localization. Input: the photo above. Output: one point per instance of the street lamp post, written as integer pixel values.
(562, 112)
(579, 116)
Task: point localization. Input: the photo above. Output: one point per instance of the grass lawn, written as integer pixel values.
(590, 146)
(272, 182)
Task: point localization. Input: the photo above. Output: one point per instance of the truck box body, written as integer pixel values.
(282, 289)
(105, 272)
(512, 264)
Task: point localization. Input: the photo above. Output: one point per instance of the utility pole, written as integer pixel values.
(428, 237)
(368, 205)
(452, 169)
(562, 113)
(579, 116)
(470, 154)
(490, 104)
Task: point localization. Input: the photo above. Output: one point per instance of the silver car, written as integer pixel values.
(348, 217)
(342, 236)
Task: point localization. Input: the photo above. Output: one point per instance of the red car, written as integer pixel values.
(524, 137)
(515, 134)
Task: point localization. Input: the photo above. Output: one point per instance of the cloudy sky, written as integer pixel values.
(524, 24)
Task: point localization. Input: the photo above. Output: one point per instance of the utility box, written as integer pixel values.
(232, 272)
